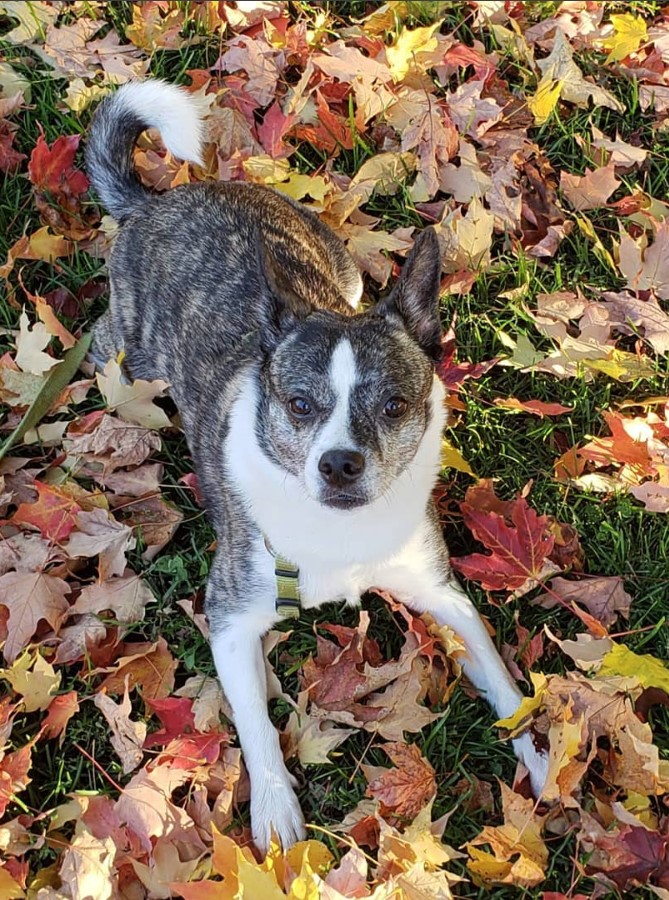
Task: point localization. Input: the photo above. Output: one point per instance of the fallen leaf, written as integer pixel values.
(127, 736)
(133, 402)
(54, 513)
(99, 534)
(519, 855)
(29, 346)
(603, 596)
(61, 709)
(34, 679)
(591, 190)
(629, 32)
(535, 407)
(126, 597)
(519, 549)
(405, 789)
(30, 597)
(149, 666)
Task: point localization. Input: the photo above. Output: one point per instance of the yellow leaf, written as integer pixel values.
(299, 186)
(254, 883)
(565, 745)
(629, 33)
(37, 684)
(80, 95)
(265, 170)
(310, 855)
(648, 670)
(542, 104)
(9, 889)
(451, 458)
(528, 705)
(402, 56)
(622, 366)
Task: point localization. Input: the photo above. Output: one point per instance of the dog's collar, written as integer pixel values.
(288, 600)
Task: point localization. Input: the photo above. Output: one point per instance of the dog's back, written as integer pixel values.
(212, 248)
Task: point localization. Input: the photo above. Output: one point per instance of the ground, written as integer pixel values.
(619, 536)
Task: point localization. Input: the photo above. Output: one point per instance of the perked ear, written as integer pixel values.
(415, 297)
(281, 305)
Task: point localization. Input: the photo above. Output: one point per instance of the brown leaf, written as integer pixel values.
(31, 597)
(155, 520)
(126, 597)
(99, 534)
(590, 191)
(127, 736)
(150, 667)
(61, 709)
(603, 596)
(405, 789)
(110, 443)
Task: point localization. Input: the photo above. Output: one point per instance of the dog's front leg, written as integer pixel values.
(448, 604)
(237, 652)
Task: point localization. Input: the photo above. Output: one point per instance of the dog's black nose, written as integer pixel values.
(341, 467)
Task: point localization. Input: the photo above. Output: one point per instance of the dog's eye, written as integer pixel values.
(395, 408)
(299, 406)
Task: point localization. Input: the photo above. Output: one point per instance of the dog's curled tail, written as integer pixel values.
(118, 122)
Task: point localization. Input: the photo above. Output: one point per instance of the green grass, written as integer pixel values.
(618, 537)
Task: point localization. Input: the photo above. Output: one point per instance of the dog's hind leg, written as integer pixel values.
(449, 605)
(237, 651)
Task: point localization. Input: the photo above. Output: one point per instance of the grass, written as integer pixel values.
(618, 537)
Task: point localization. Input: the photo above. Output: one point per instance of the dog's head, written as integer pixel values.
(347, 398)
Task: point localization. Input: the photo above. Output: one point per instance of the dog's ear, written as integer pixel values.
(281, 305)
(415, 297)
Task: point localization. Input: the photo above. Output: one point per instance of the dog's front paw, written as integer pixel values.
(535, 761)
(275, 808)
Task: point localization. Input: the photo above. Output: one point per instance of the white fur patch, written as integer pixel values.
(335, 434)
(320, 540)
(174, 112)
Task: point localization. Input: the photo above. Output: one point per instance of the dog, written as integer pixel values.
(315, 427)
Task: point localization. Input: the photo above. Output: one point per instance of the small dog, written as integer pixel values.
(315, 428)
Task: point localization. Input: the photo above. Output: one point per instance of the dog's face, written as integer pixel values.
(347, 398)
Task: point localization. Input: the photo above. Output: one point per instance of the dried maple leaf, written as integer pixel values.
(133, 402)
(30, 344)
(126, 597)
(589, 191)
(519, 855)
(127, 737)
(154, 520)
(54, 513)
(59, 186)
(87, 866)
(534, 407)
(632, 315)
(176, 716)
(60, 711)
(310, 738)
(34, 679)
(405, 789)
(39, 245)
(109, 443)
(29, 598)
(646, 268)
(625, 855)
(603, 596)
(14, 768)
(153, 27)
(629, 32)
(519, 549)
(149, 666)
(99, 534)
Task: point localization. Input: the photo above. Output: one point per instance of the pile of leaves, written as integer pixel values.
(120, 774)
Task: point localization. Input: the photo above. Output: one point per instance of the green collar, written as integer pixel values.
(287, 603)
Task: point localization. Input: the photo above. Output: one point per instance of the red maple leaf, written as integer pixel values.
(518, 550)
(176, 716)
(453, 373)
(51, 169)
(54, 512)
